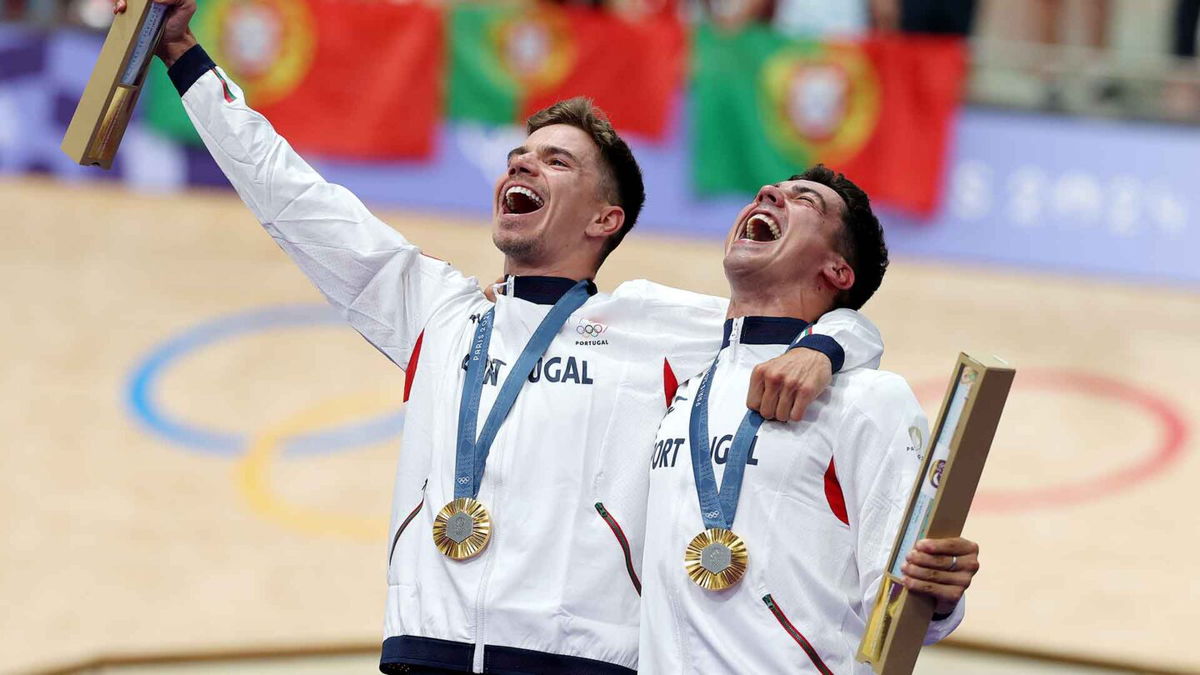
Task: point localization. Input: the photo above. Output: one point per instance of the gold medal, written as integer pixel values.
(716, 559)
(462, 529)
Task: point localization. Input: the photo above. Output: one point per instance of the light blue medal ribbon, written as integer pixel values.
(472, 452)
(718, 508)
(717, 559)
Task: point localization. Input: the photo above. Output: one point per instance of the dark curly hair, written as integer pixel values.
(861, 241)
(622, 179)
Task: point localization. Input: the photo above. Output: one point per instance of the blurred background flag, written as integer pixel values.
(508, 62)
(881, 110)
(356, 79)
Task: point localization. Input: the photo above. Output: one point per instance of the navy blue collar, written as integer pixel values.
(765, 330)
(544, 290)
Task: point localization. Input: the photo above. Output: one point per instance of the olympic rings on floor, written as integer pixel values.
(1147, 459)
(253, 472)
(140, 394)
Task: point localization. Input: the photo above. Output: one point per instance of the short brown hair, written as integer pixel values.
(861, 241)
(621, 177)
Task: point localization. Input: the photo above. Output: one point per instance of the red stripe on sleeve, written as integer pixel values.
(670, 384)
(833, 494)
(410, 373)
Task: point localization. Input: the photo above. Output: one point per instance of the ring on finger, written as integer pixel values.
(953, 564)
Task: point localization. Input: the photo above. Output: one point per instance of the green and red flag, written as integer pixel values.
(508, 61)
(879, 110)
(357, 79)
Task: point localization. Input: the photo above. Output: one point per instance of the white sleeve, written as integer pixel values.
(384, 287)
(848, 338)
(684, 326)
(877, 462)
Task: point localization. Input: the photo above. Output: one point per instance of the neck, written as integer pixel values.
(566, 269)
(786, 302)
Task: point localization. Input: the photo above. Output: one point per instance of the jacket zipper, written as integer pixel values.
(796, 635)
(400, 530)
(624, 542)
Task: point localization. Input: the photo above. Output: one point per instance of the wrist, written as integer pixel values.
(170, 52)
(825, 345)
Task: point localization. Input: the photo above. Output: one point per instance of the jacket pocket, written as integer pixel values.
(796, 635)
(404, 524)
(623, 542)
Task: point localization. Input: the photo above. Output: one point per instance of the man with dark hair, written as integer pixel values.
(780, 565)
(861, 237)
(521, 488)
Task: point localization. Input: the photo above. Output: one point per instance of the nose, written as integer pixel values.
(522, 164)
(770, 193)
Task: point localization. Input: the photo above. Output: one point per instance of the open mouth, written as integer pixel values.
(519, 199)
(761, 227)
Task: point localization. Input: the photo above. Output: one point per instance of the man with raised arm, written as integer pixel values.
(766, 542)
(519, 500)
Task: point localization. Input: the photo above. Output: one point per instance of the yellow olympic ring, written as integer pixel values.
(254, 469)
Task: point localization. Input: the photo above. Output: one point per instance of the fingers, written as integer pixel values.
(928, 568)
(754, 396)
(938, 575)
(119, 6)
(770, 399)
(763, 396)
(804, 396)
(963, 563)
(783, 409)
(948, 547)
(946, 595)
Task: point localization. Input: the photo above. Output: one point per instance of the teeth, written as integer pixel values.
(764, 220)
(517, 189)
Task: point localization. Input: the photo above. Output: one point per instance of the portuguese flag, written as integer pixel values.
(881, 111)
(507, 62)
(356, 79)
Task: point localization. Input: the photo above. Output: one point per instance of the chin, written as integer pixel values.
(515, 245)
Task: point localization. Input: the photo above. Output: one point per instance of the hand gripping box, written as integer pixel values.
(951, 466)
(107, 103)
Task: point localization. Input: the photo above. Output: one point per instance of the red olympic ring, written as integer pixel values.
(1168, 449)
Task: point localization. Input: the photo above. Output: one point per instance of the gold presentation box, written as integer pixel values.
(107, 103)
(937, 508)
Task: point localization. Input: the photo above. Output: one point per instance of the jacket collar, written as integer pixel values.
(764, 330)
(543, 290)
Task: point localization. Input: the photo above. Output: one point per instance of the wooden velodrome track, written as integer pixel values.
(195, 458)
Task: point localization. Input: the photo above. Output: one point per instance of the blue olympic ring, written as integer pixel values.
(141, 384)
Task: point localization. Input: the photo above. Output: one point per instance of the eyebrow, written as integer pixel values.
(797, 190)
(545, 150)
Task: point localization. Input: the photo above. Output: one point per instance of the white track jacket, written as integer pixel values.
(557, 589)
(821, 502)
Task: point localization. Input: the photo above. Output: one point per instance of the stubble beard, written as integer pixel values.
(518, 249)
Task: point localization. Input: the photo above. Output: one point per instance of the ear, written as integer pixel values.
(838, 273)
(608, 222)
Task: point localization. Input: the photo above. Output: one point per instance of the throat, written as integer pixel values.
(791, 302)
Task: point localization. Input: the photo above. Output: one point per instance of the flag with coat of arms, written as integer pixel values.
(508, 61)
(355, 79)
(880, 110)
